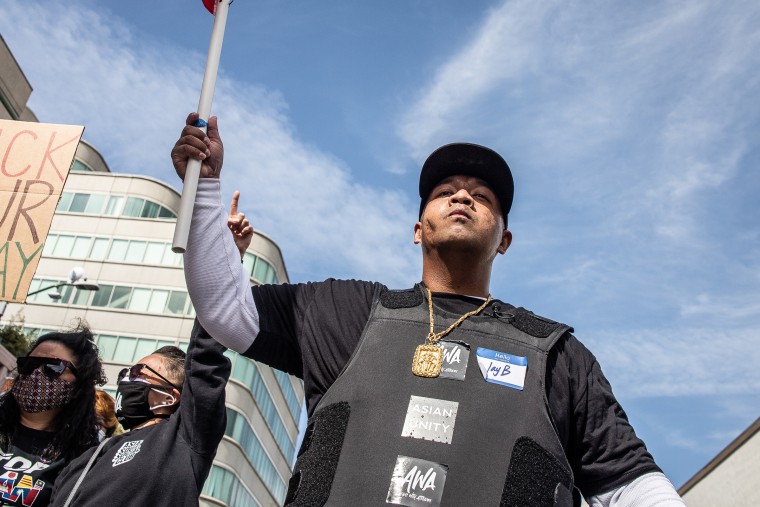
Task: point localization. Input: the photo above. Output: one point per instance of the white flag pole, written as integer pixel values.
(182, 229)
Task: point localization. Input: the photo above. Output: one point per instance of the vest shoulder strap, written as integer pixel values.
(539, 327)
(396, 299)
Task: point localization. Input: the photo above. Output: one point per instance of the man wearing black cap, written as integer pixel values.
(439, 395)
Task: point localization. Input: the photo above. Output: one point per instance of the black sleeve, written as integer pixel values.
(310, 330)
(280, 308)
(600, 443)
(203, 415)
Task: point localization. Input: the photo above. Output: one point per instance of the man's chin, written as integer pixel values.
(460, 241)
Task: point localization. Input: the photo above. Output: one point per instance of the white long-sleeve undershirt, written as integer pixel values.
(218, 286)
(649, 490)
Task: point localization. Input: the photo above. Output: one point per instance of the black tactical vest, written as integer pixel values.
(381, 435)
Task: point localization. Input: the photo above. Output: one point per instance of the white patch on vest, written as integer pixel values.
(416, 483)
(430, 419)
(455, 357)
(126, 452)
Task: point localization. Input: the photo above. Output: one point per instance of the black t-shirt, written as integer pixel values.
(27, 479)
(310, 330)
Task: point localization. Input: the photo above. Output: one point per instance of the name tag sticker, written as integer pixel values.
(502, 368)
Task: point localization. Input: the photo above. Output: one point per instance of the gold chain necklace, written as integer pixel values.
(428, 357)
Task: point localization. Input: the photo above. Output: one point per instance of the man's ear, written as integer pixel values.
(418, 233)
(167, 398)
(177, 396)
(506, 240)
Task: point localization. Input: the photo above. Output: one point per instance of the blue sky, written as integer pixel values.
(631, 129)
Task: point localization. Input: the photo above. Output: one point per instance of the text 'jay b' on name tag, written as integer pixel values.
(502, 368)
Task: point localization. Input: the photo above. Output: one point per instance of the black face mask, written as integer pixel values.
(132, 407)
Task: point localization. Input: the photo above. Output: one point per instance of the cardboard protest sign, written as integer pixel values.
(35, 159)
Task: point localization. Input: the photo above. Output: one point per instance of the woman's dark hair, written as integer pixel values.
(76, 426)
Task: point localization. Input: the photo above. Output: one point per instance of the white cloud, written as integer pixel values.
(499, 52)
(573, 275)
(731, 308)
(87, 68)
(679, 362)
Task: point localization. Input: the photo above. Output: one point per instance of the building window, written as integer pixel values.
(65, 201)
(240, 430)
(102, 296)
(107, 346)
(259, 269)
(79, 203)
(225, 487)
(154, 253)
(127, 349)
(150, 210)
(248, 261)
(246, 371)
(158, 300)
(140, 300)
(80, 167)
(176, 302)
(134, 206)
(99, 248)
(290, 394)
(116, 205)
(81, 247)
(80, 297)
(120, 297)
(135, 299)
(95, 204)
(136, 251)
(63, 246)
(140, 252)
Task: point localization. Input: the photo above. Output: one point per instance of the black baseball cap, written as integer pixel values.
(470, 160)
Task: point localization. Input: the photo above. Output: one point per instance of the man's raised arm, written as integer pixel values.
(219, 288)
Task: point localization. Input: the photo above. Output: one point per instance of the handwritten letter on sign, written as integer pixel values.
(34, 162)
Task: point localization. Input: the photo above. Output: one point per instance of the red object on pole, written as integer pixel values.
(210, 5)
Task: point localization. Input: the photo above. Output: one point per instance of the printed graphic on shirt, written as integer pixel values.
(17, 483)
(455, 357)
(416, 482)
(17, 487)
(430, 419)
(502, 368)
(126, 452)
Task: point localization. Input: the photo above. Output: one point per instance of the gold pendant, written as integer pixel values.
(428, 360)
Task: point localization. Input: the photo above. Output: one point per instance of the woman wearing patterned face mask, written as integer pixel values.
(48, 416)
